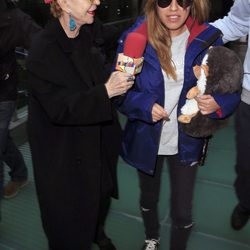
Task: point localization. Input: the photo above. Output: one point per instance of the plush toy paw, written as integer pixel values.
(193, 92)
(184, 118)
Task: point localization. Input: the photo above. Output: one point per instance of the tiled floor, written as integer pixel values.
(213, 203)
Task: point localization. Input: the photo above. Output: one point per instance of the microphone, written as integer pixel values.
(131, 60)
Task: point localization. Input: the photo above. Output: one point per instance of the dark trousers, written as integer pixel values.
(242, 182)
(9, 153)
(100, 236)
(182, 179)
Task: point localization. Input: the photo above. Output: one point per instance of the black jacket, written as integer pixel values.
(16, 29)
(73, 132)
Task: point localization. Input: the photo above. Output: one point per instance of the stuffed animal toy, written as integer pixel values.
(220, 73)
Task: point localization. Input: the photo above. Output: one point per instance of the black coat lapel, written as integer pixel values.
(77, 51)
(91, 54)
(81, 63)
(85, 53)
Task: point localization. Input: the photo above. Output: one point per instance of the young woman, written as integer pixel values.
(73, 129)
(178, 38)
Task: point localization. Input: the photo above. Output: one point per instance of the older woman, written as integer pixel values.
(73, 128)
(177, 41)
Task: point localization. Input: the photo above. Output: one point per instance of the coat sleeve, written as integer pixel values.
(66, 106)
(228, 103)
(137, 105)
(236, 23)
(27, 28)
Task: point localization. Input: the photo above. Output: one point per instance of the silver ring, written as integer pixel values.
(130, 78)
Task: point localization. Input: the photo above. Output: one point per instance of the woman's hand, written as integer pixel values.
(119, 83)
(207, 104)
(158, 113)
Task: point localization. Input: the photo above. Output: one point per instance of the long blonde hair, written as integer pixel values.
(158, 34)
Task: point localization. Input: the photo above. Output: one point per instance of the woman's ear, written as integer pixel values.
(64, 5)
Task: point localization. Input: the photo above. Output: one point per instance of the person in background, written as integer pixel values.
(73, 129)
(178, 39)
(234, 26)
(16, 29)
(140, 6)
(219, 8)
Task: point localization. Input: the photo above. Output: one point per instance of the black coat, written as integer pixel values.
(16, 29)
(73, 132)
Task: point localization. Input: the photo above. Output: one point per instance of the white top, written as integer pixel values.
(169, 135)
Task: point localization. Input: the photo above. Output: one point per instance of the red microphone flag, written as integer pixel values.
(134, 45)
(131, 60)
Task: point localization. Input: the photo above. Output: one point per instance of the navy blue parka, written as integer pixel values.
(141, 135)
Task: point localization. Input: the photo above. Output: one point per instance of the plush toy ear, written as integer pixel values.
(197, 71)
(206, 69)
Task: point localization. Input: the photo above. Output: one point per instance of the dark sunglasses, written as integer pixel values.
(166, 3)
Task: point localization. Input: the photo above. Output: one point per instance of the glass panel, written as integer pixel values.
(21, 55)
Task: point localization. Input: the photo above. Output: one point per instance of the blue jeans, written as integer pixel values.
(9, 152)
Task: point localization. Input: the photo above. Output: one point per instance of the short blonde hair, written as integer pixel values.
(55, 9)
